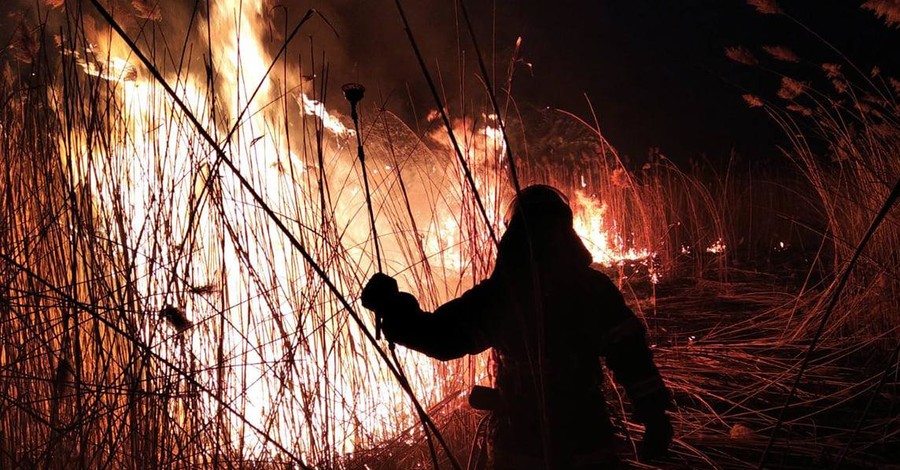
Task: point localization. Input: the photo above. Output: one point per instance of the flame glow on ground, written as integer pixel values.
(263, 322)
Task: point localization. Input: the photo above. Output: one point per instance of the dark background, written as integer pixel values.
(654, 70)
(657, 74)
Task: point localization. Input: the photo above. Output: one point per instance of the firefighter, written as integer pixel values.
(549, 317)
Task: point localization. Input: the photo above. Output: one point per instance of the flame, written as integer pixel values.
(183, 219)
(158, 168)
(114, 70)
(600, 235)
(331, 122)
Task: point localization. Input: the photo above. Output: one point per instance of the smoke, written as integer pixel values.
(346, 41)
(368, 44)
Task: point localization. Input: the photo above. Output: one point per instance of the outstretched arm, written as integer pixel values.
(455, 329)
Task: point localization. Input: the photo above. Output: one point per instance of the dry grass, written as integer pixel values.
(156, 314)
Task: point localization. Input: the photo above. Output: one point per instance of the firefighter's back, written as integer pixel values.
(550, 377)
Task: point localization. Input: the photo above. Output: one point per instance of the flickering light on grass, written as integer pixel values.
(717, 248)
(600, 234)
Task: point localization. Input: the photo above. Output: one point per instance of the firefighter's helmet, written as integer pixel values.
(539, 206)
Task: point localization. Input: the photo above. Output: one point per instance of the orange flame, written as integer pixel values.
(206, 229)
(600, 235)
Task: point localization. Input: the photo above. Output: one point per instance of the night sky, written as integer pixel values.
(655, 70)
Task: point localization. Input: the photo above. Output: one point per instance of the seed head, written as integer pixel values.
(741, 55)
(753, 101)
(353, 92)
(766, 7)
(791, 88)
(782, 53)
(887, 10)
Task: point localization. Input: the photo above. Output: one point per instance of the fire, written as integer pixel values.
(115, 69)
(331, 122)
(717, 248)
(601, 235)
(269, 329)
(159, 171)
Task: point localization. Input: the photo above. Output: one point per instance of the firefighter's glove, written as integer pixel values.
(380, 293)
(657, 437)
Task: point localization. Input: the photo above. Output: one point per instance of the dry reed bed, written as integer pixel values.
(726, 352)
(109, 220)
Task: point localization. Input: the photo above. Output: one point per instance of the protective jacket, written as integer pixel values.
(549, 318)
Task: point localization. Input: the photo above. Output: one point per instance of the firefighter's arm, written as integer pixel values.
(454, 329)
(628, 356)
(631, 362)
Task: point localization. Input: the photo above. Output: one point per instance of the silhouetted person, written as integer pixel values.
(549, 318)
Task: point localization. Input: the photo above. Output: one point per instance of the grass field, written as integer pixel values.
(185, 232)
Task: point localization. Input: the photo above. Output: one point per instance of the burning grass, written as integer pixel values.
(180, 265)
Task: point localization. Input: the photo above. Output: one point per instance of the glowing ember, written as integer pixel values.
(716, 248)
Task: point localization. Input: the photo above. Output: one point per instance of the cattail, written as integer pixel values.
(781, 53)
(887, 10)
(741, 55)
(176, 318)
(353, 92)
(766, 7)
